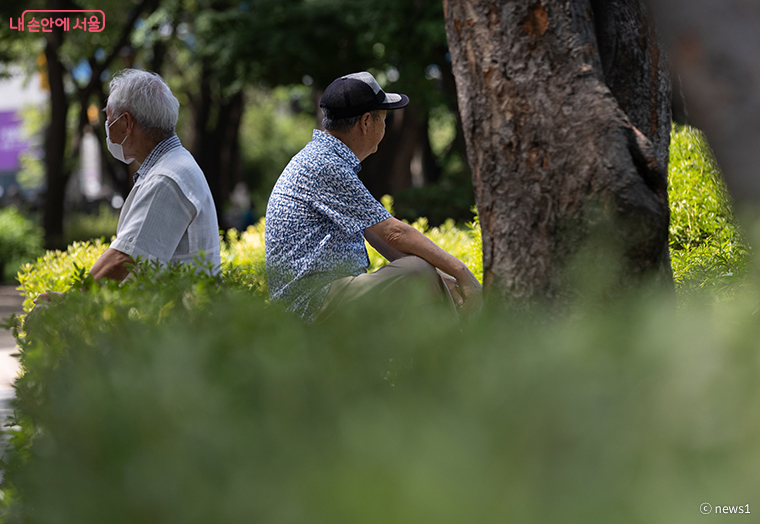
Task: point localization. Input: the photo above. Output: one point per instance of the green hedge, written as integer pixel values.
(176, 399)
(242, 264)
(242, 258)
(179, 398)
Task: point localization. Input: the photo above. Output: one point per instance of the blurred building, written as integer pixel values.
(17, 93)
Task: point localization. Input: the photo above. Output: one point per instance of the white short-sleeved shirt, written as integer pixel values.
(169, 216)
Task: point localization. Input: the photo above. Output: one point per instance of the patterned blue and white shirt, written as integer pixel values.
(315, 222)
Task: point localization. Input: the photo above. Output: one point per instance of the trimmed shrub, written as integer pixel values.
(243, 261)
(242, 264)
(58, 270)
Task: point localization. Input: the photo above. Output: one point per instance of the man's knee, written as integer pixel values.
(414, 263)
(419, 269)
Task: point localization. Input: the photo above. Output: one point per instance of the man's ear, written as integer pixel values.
(130, 120)
(366, 117)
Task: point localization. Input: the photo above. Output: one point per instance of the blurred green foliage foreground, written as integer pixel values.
(177, 398)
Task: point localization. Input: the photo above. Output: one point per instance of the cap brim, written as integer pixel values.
(394, 101)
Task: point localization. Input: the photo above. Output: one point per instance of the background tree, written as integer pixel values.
(714, 47)
(74, 66)
(566, 114)
(213, 52)
(275, 42)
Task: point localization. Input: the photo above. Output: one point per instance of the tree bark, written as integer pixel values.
(565, 109)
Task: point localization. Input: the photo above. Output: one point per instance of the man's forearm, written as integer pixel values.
(405, 239)
(113, 265)
(415, 243)
(382, 247)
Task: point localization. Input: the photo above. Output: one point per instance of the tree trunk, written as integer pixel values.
(58, 169)
(215, 142)
(229, 153)
(57, 174)
(565, 109)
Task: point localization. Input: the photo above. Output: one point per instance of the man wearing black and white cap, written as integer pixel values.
(319, 214)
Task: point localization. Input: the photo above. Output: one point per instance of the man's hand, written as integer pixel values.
(466, 292)
(404, 238)
(46, 297)
(472, 294)
(112, 264)
(451, 285)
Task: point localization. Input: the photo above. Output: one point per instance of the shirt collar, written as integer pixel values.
(160, 150)
(341, 149)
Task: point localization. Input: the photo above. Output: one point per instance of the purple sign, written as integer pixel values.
(12, 143)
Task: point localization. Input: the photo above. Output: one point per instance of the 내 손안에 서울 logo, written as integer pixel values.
(44, 21)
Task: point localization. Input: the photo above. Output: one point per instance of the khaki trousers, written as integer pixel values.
(389, 282)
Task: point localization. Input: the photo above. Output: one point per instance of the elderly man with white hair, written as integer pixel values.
(169, 216)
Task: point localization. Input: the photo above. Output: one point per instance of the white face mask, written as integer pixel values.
(117, 150)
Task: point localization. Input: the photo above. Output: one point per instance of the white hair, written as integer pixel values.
(147, 98)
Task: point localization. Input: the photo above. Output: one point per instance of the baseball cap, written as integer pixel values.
(358, 93)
